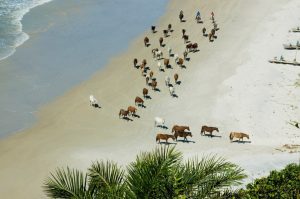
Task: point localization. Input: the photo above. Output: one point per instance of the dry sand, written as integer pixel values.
(228, 84)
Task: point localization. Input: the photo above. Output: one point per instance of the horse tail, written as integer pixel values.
(231, 136)
(157, 138)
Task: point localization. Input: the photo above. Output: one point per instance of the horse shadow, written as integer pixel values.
(127, 119)
(154, 79)
(196, 51)
(157, 89)
(186, 141)
(183, 66)
(171, 30)
(200, 21)
(178, 82)
(154, 31)
(170, 85)
(211, 136)
(147, 45)
(172, 55)
(167, 143)
(169, 66)
(187, 59)
(183, 20)
(186, 42)
(205, 35)
(141, 105)
(163, 45)
(136, 115)
(241, 141)
(215, 36)
(174, 95)
(148, 97)
(162, 70)
(147, 68)
(96, 106)
(216, 29)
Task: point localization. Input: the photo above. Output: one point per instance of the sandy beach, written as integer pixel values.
(228, 83)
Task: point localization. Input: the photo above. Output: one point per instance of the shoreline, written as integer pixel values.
(70, 132)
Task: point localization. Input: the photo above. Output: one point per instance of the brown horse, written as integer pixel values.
(189, 47)
(180, 62)
(165, 33)
(135, 61)
(210, 36)
(183, 31)
(175, 77)
(151, 74)
(238, 135)
(161, 136)
(145, 92)
(185, 54)
(153, 29)
(146, 41)
(181, 16)
(123, 113)
(185, 38)
(147, 80)
(153, 84)
(166, 62)
(177, 128)
(139, 101)
(208, 129)
(144, 62)
(132, 110)
(161, 40)
(182, 134)
(203, 31)
(170, 27)
(195, 47)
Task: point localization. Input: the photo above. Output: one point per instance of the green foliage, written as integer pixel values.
(157, 174)
(284, 184)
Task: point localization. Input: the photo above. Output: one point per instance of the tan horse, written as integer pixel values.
(177, 128)
(161, 136)
(123, 113)
(139, 101)
(151, 74)
(146, 41)
(208, 129)
(135, 61)
(238, 135)
(182, 134)
(161, 40)
(153, 85)
(132, 110)
(145, 92)
(166, 62)
(180, 62)
(176, 78)
(203, 31)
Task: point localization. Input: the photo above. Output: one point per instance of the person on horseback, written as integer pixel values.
(198, 14)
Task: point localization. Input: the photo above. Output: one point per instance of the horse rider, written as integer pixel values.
(198, 14)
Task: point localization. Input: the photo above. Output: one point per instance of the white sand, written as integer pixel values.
(228, 84)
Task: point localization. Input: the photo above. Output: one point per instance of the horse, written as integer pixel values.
(195, 47)
(132, 110)
(182, 134)
(170, 27)
(176, 57)
(177, 128)
(144, 62)
(145, 92)
(198, 19)
(154, 50)
(185, 38)
(151, 74)
(172, 90)
(158, 54)
(185, 54)
(159, 66)
(153, 29)
(208, 129)
(169, 51)
(123, 113)
(135, 61)
(181, 16)
(210, 36)
(159, 122)
(161, 40)
(175, 77)
(139, 101)
(93, 101)
(153, 84)
(189, 47)
(167, 80)
(165, 33)
(238, 135)
(166, 62)
(147, 80)
(183, 31)
(161, 136)
(180, 62)
(213, 32)
(146, 41)
(203, 31)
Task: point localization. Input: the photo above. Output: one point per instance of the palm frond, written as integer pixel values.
(66, 184)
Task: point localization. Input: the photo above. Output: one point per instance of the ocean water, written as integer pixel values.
(11, 14)
(72, 40)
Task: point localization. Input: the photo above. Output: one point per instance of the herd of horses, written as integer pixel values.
(131, 111)
(184, 132)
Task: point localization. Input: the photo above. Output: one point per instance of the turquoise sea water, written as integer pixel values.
(75, 39)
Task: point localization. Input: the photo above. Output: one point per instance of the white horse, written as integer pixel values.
(167, 80)
(159, 122)
(159, 66)
(170, 51)
(172, 90)
(176, 58)
(93, 101)
(158, 54)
